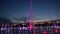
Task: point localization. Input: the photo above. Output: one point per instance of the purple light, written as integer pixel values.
(55, 24)
(20, 28)
(2, 28)
(7, 31)
(24, 28)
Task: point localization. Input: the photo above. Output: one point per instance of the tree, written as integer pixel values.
(4, 20)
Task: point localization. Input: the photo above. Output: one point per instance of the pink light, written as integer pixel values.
(31, 26)
(44, 32)
(34, 32)
(56, 31)
(31, 17)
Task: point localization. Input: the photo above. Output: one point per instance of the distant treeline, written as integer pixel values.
(4, 20)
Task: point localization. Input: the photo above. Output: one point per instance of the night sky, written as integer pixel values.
(42, 9)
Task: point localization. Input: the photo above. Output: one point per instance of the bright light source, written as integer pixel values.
(56, 31)
(20, 28)
(44, 32)
(2, 28)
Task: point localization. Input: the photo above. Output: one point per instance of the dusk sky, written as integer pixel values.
(42, 9)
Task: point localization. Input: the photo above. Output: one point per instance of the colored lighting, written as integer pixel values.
(56, 31)
(31, 17)
(31, 26)
(44, 32)
(24, 28)
(20, 28)
(8, 31)
(2, 29)
(34, 32)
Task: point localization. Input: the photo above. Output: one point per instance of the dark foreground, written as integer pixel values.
(37, 30)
